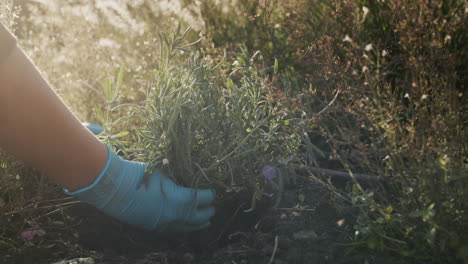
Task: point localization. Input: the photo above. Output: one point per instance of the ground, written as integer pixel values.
(304, 228)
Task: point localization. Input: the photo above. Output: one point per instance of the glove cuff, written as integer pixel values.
(101, 191)
(94, 128)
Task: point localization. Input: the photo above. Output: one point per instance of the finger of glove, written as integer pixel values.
(178, 227)
(205, 197)
(201, 216)
(202, 198)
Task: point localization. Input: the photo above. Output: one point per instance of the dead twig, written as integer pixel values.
(328, 105)
(22, 210)
(295, 209)
(274, 251)
(52, 212)
(31, 201)
(341, 174)
(239, 251)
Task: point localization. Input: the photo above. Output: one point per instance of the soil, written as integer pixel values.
(304, 228)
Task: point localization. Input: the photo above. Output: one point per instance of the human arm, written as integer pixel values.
(38, 128)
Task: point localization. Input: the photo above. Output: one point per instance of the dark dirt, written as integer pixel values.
(311, 231)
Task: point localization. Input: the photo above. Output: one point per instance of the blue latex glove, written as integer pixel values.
(159, 205)
(95, 129)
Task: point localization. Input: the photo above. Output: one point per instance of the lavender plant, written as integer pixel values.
(213, 125)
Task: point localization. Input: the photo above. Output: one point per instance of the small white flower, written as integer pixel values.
(406, 95)
(364, 69)
(165, 161)
(424, 96)
(447, 39)
(365, 11)
(236, 62)
(347, 38)
(384, 53)
(17, 177)
(368, 47)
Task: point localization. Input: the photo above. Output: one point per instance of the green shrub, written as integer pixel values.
(212, 126)
(400, 68)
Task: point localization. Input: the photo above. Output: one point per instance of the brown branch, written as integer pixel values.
(341, 174)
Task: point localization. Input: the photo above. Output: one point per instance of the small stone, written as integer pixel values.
(76, 261)
(188, 258)
(340, 222)
(305, 234)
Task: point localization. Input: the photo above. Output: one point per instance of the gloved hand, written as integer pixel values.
(159, 205)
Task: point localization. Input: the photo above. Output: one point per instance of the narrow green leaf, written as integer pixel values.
(121, 134)
(222, 61)
(230, 84)
(99, 114)
(184, 50)
(275, 70)
(191, 44)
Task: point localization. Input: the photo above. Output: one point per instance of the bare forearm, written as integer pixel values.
(39, 129)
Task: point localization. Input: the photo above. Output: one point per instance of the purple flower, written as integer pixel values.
(29, 234)
(269, 172)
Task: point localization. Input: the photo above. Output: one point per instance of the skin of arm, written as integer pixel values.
(37, 127)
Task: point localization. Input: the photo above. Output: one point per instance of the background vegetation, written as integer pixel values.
(390, 77)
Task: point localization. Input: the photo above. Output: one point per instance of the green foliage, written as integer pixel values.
(399, 68)
(213, 125)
